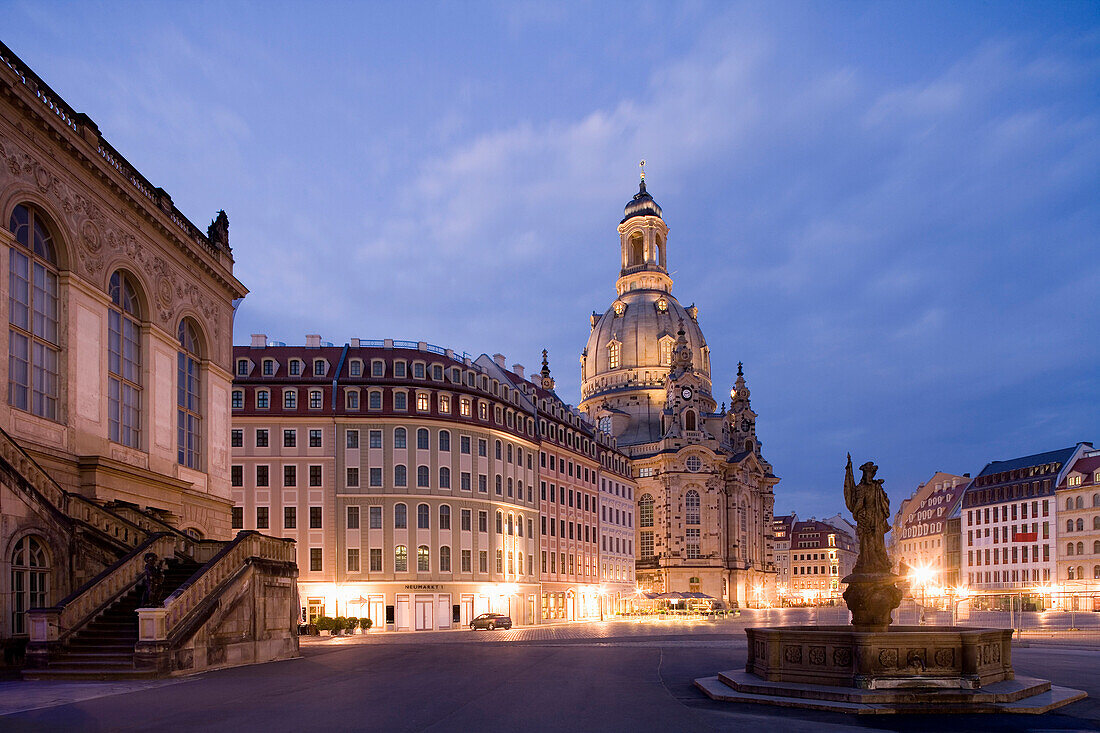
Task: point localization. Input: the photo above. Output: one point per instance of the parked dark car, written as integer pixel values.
(491, 621)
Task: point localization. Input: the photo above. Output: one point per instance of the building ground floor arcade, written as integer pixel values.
(428, 606)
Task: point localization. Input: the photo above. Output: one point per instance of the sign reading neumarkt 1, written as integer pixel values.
(423, 586)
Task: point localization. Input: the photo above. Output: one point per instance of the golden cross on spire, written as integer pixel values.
(642, 166)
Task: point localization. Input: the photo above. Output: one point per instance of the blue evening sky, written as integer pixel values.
(890, 212)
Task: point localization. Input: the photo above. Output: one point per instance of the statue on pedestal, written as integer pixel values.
(872, 592)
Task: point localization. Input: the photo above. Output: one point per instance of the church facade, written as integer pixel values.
(705, 492)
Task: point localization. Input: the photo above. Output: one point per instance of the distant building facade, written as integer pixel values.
(705, 492)
(1009, 522)
(820, 556)
(922, 530)
(1078, 518)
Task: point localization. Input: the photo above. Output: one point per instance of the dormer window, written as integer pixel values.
(315, 399)
(613, 351)
(263, 399)
(295, 367)
(662, 305)
(351, 399)
(355, 368)
(318, 367)
(421, 401)
(269, 367)
(242, 367)
(418, 371)
(437, 372)
(378, 368)
(290, 399)
(620, 307)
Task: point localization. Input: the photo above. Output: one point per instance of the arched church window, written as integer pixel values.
(33, 351)
(613, 350)
(605, 425)
(645, 510)
(30, 572)
(691, 506)
(689, 420)
(188, 412)
(124, 362)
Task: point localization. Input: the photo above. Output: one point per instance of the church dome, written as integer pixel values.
(630, 345)
(641, 205)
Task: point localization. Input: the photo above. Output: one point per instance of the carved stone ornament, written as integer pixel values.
(888, 658)
(945, 657)
(793, 654)
(817, 655)
(842, 656)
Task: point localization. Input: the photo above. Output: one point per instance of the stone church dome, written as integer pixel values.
(629, 350)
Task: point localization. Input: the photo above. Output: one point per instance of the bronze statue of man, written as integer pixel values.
(870, 507)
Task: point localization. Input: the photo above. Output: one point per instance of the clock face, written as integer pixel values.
(686, 392)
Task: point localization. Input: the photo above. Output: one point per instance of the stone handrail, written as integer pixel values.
(81, 606)
(82, 125)
(108, 522)
(176, 608)
(27, 467)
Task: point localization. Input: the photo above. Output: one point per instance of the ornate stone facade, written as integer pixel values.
(705, 492)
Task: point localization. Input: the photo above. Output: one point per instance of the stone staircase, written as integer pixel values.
(104, 648)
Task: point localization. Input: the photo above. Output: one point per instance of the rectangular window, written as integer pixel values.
(315, 438)
(376, 477)
(236, 475)
(315, 399)
(378, 368)
(262, 476)
(465, 518)
(466, 558)
(483, 561)
(237, 520)
(465, 481)
(290, 399)
(315, 559)
(483, 483)
(261, 438)
(351, 399)
(315, 517)
(353, 560)
(376, 560)
(500, 561)
(375, 439)
(263, 399)
(464, 445)
(290, 438)
(290, 475)
(353, 477)
(353, 439)
(238, 399)
(482, 521)
(374, 400)
(314, 475)
(290, 517)
(237, 438)
(482, 447)
(353, 517)
(421, 402)
(262, 517)
(375, 517)
(399, 369)
(400, 401)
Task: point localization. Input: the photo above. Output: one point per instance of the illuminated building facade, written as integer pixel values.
(406, 473)
(1078, 518)
(423, 487)
(819, 556)
(705, 492)
(922, 530)
(1009, 528)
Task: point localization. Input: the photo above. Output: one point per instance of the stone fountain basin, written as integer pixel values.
(906, 657)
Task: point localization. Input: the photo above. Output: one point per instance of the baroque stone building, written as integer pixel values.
(114, 431)
(705, 491)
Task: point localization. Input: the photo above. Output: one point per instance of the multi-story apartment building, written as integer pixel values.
(1078, 520)
(617, 488)
(821, 555)
(781, 536)
(921, 531)
(424, 487)
(406, 473)
(1009, 526)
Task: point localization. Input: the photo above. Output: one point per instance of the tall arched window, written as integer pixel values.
(33, 352)
(400, 521)
(188, 412)
(423, 564)
(422, 477)
(401, 559)
(691, 507)
(422, 439)
(645, 511)
(124, 362)
(613, 355)
(689, 420)
(30, 580)
(1080, 525)
(423, 518)
(399, 437)
(1080, 548)
(444, 559)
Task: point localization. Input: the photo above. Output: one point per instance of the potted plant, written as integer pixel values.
(353, 622)
(325, 625)
(366, 623)
(339, 624)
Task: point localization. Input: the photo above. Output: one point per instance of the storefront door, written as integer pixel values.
(424, 608)
(467, 610)
(402, 613)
